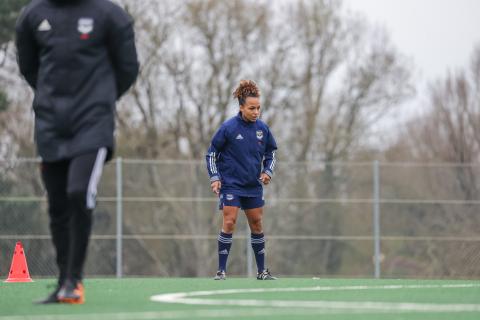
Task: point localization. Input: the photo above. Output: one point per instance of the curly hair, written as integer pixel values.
(246, 88)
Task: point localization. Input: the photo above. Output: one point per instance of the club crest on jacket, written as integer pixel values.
(85, 25)
(259, 134)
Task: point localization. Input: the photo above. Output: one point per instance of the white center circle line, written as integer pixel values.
(196, 298)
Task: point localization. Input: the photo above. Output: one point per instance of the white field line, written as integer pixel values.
(189, 299)
(182, 314)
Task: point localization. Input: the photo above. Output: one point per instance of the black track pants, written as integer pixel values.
(72, 187)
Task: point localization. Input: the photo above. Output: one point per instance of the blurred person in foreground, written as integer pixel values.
(235, 157)
(79, 57)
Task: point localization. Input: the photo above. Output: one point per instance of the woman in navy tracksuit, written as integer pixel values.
(234, 162)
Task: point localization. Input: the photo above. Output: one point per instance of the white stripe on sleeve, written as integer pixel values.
(95, 177)
(272, 164)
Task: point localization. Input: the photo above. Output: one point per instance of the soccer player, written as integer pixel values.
(234, 162)
(79, 57)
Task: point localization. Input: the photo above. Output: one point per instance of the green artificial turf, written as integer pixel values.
(130, 299)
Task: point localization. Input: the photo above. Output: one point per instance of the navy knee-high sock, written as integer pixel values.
(258, 246)
(224, 244)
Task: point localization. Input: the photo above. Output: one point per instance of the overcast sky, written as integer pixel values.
(439, 35)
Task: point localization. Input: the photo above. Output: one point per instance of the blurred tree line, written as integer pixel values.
(8, 14)
(327, 78)
(448, 131)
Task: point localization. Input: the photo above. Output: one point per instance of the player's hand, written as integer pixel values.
(216, 185)
(265, 178)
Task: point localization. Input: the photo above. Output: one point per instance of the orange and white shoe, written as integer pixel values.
(72, 292)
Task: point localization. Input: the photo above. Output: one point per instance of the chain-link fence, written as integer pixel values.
(159, 218)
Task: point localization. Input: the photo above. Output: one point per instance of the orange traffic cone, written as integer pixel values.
(19, 268)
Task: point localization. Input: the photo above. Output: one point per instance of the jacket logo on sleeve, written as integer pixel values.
(44, 26)
(85, 27)
(259, 134)
(239, 137)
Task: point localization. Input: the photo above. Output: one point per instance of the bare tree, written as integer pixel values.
(447, 132)
(16, 119)
(347, 77)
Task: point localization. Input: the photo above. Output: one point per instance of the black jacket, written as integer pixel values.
(79, 56)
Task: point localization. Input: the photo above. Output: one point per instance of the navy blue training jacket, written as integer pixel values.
(236, 154)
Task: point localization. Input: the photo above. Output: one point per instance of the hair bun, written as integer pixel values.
(246, 88)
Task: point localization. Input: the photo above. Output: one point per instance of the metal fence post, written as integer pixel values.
(119, 216)
(249, 252)
(376, 217)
